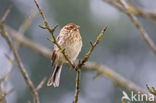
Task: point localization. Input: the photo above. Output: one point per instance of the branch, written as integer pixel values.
(77, 86)
(7, 12)
(91, 66)
(77, 67)
(137, 11)
(21, 31)
(93, 45)
(19, 63)
(115, 77)
(40, 85)
(2, 92)
(2, 96)
(124, 7)
(5, 76)
(27, 42)
(51, 31)
(83, 61)
(151, 90)
(143, 13)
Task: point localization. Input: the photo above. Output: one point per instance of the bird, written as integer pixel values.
(70, 40)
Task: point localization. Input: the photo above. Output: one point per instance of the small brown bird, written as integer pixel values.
(69, 39)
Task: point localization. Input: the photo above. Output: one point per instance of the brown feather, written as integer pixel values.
(53, 57)
(69, 39)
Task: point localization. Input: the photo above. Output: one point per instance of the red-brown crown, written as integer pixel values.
(70, 27)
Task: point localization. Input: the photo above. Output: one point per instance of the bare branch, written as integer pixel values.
(42, 13)
(20, 64)
(143, 13)
(22, 29)
(93, 45)
(27, 22)
(118, 79)
(115, 77)
(3, 93)
(8, 93)
(51, 31)
(5, 76)
(27, 42)
(151, 90)
(77, 86)
(2, 96)
(124, 7)
(82, 62)
(77, 67)
(40, 85)
(91, 66)
(134, 10)
(7, 12)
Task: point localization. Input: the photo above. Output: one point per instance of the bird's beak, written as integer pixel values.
(78, 26)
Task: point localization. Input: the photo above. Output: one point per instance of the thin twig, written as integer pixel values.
(2, 93)
(151, 90)
(124, 7)
(9, 92)
(143, 13)
(27, 42)
(2, 96)
(77, 86)
(21, 31)
(93, 45)
(137, 11)
(5, 76)
(115, 77)
(7, 12)
(77, 67)
(19, 63)
(91, 66)
(140, 28)
(82, 62)
(51, 31)
(40, 85)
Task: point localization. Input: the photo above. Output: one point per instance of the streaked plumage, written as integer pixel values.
(69, 39)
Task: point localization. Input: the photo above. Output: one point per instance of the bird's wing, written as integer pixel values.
(60, 41)
(53, 56)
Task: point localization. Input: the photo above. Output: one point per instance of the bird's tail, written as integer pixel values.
(55, 77)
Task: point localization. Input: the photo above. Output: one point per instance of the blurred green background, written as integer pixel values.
(122, 49)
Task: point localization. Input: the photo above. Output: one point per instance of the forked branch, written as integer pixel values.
(22, 69)
(81, 62)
